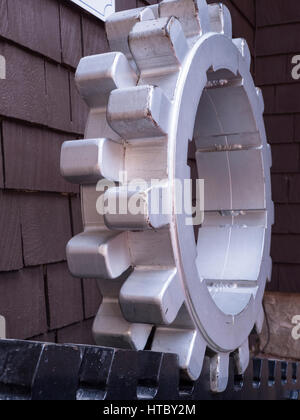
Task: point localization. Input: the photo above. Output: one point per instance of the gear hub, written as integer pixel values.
(175, 101)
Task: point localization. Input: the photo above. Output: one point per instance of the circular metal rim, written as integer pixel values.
(223, 332)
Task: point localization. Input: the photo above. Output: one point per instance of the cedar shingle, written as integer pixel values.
(46, 227)
(270, 12)
(71, 36)
(287, 98)
(127, 4)
(1, 162)
(4, 18)
(76, 215)
(11, 257)
(92, 297)
(280, 188)
(23, 92)
(77, 334)
(286, 249)
(280, 128)
(285, 158)
(247, 7)
(65, 296)
(281, 39)
(94, 36)
(22, 302)
(289, 278)
(58, 97)
(32, 158)
(79, 109)
(35, 24)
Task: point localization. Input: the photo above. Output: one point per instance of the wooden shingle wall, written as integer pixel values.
(277, 41)
(42, 42)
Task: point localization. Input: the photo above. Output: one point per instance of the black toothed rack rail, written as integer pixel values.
(39, 371)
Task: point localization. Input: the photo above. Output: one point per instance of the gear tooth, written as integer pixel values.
(98, 255)
(164, 38)
(147, 161)
(220, 19)
(119, 25)
(144, 209)
(271, 213)
(152, 296)
(219, 371)
(112, 330)
(269, 156)
(189, 346)
(151, 248)
(146, 114)
(242, 358)
(260, 319)
(98, 75)
(192, 14)
(269, 268)
(261, 101)
(149, 13)
(243, 47)
(88, 161)
(2, 327)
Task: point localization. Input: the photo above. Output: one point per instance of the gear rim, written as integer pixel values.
(266, 252)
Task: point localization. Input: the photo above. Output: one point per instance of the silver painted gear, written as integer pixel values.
(176, 98)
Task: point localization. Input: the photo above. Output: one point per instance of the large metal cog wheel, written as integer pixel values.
(176, 98)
